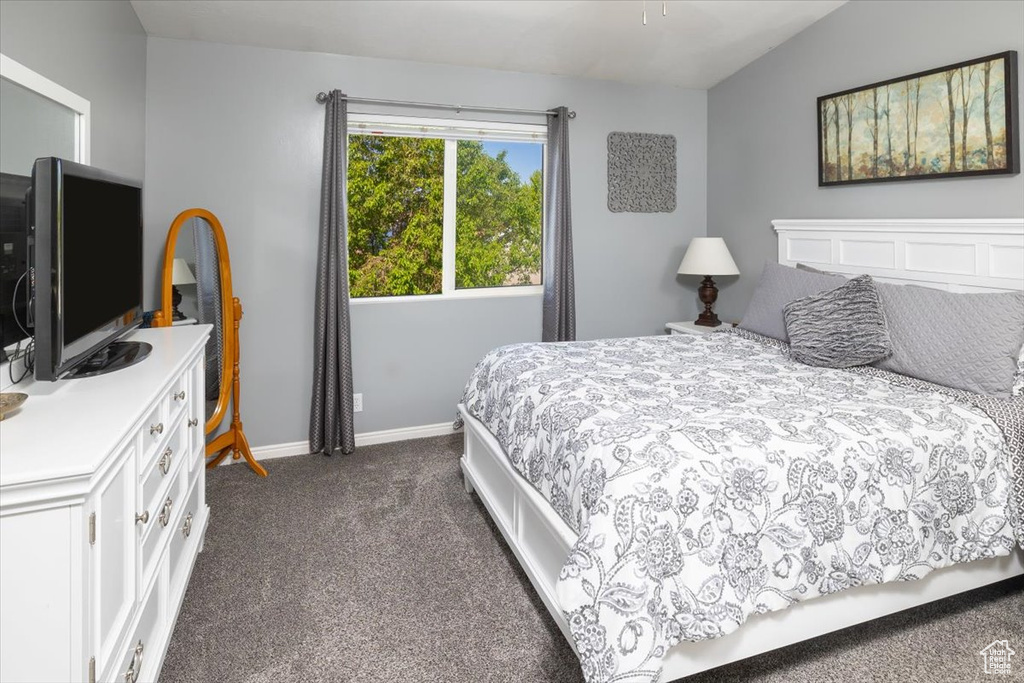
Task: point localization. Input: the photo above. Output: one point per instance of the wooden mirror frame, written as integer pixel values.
(232, 441)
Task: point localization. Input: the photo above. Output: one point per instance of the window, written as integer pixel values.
(440, 207)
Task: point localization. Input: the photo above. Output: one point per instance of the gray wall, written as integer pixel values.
(236, 130)
(96, 50)
(762, 144)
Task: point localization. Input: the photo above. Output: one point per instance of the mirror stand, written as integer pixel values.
(224, 311)
(233, 441)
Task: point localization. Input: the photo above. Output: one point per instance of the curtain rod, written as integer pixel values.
(321, 97)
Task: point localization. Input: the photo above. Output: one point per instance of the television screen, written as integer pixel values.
(102, 255)
(85, 251)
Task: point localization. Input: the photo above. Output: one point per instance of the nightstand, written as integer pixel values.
(689, 328)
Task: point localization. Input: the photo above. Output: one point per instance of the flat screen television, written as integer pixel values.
(85, 243)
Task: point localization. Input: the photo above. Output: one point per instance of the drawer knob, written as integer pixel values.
(135, 666)
(165, 513)
(144, 517)
(186, 528)
(193, 422)
(180, 396)
(156, 429)
(165, 461)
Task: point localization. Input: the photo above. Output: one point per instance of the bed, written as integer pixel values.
(683, 490)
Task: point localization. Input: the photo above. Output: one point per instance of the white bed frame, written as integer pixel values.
(958, 255)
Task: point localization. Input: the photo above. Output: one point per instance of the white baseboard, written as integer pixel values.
(404, 433)
(280, 450)
(284, 450)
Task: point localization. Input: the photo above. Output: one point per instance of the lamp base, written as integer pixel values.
(708, 294)
(175, 302)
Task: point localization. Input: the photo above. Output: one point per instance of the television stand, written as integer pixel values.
(81, 465)
(113, 357)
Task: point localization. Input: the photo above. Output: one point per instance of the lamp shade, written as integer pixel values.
(708, 256)
(182, 274)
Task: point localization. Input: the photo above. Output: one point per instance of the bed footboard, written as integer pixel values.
(540, 539)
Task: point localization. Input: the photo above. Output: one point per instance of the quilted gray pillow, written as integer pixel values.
(778, 286)
(841, 328)
(963, 341)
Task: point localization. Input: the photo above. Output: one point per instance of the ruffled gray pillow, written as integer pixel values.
(840, 328)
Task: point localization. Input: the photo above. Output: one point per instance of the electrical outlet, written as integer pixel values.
(357, 403)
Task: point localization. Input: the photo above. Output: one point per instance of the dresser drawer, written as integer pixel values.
(197, 413)
(157, 475)
(154, 430)
(137, 655)
(186, 534)
(161, 523)
(178, 395)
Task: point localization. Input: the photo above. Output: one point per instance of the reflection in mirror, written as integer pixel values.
(32, 126)
(14, 191)
(38, 118)
(201, 301)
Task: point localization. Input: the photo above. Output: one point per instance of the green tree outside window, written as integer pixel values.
(396, 216)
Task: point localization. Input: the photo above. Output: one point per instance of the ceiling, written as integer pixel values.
(696, 45)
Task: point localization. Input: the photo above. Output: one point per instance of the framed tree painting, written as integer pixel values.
(954, 121)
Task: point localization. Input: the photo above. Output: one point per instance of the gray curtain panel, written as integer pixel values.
(559, 290)
(331, 426)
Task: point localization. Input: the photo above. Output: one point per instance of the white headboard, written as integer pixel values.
(960, 255)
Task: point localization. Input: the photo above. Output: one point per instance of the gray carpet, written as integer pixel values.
(379, 567)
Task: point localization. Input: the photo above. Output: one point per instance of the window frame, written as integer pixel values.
(452, 131)
(21, 75)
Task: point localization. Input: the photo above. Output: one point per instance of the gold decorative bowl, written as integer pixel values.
(10, 402)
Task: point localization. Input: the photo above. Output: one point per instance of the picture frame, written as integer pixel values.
(912, 127)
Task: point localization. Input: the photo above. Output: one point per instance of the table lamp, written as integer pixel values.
(708, 256)
(181, 275)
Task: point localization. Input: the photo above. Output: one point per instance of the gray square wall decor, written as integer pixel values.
(641, 173)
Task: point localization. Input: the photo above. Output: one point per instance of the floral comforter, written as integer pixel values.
(712, 477)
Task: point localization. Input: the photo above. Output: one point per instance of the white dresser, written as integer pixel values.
(102, 514)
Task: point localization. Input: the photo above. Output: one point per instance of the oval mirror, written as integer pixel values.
(196, 289)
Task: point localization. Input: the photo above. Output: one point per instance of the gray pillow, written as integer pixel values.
(963, 341)
(1018, 379)
(778, 286)
(812, 269)
(841, 328)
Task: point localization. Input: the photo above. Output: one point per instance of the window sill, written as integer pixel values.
(457, 295)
